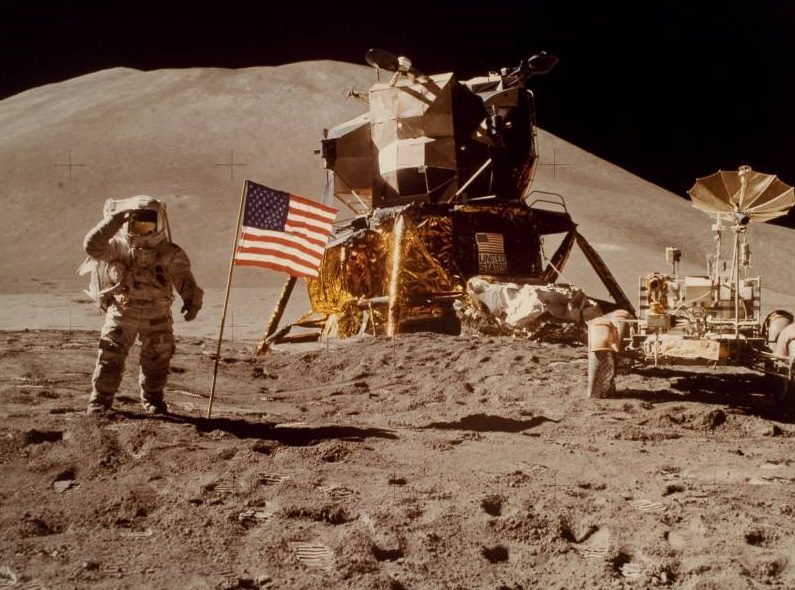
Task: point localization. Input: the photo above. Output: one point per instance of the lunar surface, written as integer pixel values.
(424, 461)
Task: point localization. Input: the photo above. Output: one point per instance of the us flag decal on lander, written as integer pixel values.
(491, 253)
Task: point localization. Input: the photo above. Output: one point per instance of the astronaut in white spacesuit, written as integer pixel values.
(140, 268)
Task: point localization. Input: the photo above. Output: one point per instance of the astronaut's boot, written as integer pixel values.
(153, 403)
(99, 404)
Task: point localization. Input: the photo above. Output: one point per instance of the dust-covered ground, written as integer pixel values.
(425, 461)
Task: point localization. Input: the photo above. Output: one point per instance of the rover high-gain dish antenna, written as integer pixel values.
(738, 198)
(742, 196)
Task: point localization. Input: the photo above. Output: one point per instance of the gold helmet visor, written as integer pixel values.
(143, 223)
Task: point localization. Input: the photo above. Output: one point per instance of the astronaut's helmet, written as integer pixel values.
(146, 224)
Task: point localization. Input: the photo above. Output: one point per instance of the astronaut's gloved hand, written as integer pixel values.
(189, 311)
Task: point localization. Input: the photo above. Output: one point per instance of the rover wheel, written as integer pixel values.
(601, 373)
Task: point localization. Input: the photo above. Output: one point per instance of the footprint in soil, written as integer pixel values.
(492, 504)
(759, 537)
(32, 526)
(328, 514)
(35, 437)
(496, 554)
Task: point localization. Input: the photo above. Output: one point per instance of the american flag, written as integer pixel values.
(488, 243)
(282, 231)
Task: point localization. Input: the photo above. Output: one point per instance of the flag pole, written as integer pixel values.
(226, 299)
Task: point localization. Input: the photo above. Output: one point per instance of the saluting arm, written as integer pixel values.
(98, 241)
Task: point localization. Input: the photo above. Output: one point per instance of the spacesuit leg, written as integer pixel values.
(157, 348)
(116, 337)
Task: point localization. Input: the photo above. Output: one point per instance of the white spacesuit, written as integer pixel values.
(141, 268)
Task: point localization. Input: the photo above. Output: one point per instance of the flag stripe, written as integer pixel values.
(290, 254)
(305, 231)
(276, 266)
(310, 204)
(322, 225)
(301, 225)
(310, 213)
(282, 238)
(309, 221)
(272, 261)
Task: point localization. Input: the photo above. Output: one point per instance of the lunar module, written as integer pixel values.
(712, 319)
(437, 178)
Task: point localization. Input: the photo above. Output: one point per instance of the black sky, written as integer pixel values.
(669, 90)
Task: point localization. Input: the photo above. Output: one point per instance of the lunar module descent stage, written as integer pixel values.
(437, 175)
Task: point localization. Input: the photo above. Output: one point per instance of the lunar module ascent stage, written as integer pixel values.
(437, 176)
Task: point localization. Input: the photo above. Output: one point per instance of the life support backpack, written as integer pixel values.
(101, 284)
